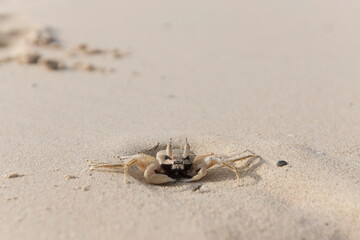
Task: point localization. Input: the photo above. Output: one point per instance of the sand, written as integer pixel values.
(280, 78)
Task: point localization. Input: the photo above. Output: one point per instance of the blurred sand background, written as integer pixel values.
(278, 77)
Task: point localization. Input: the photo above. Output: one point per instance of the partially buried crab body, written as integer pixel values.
(171, 164)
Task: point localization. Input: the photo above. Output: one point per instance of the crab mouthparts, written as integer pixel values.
(177, 167)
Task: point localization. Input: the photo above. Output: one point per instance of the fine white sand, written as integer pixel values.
(278, 77)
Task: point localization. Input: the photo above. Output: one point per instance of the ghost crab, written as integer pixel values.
(172, 164)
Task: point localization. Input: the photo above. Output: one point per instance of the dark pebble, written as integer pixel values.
(281, 163)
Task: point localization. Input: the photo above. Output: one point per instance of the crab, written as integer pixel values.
(173, 164)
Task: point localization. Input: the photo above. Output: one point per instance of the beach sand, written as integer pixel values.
(279, 78)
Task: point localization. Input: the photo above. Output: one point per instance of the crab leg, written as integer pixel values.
(235, 159)
(127, 166)
(203, 156)
(207, 161)
(94, 166)
(233, 168)
(141, 161)
(227, 162)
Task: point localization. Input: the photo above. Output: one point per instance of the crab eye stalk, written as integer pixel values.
(169, 149)
(186, 149)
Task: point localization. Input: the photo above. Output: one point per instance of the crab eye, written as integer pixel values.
(167, 157)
